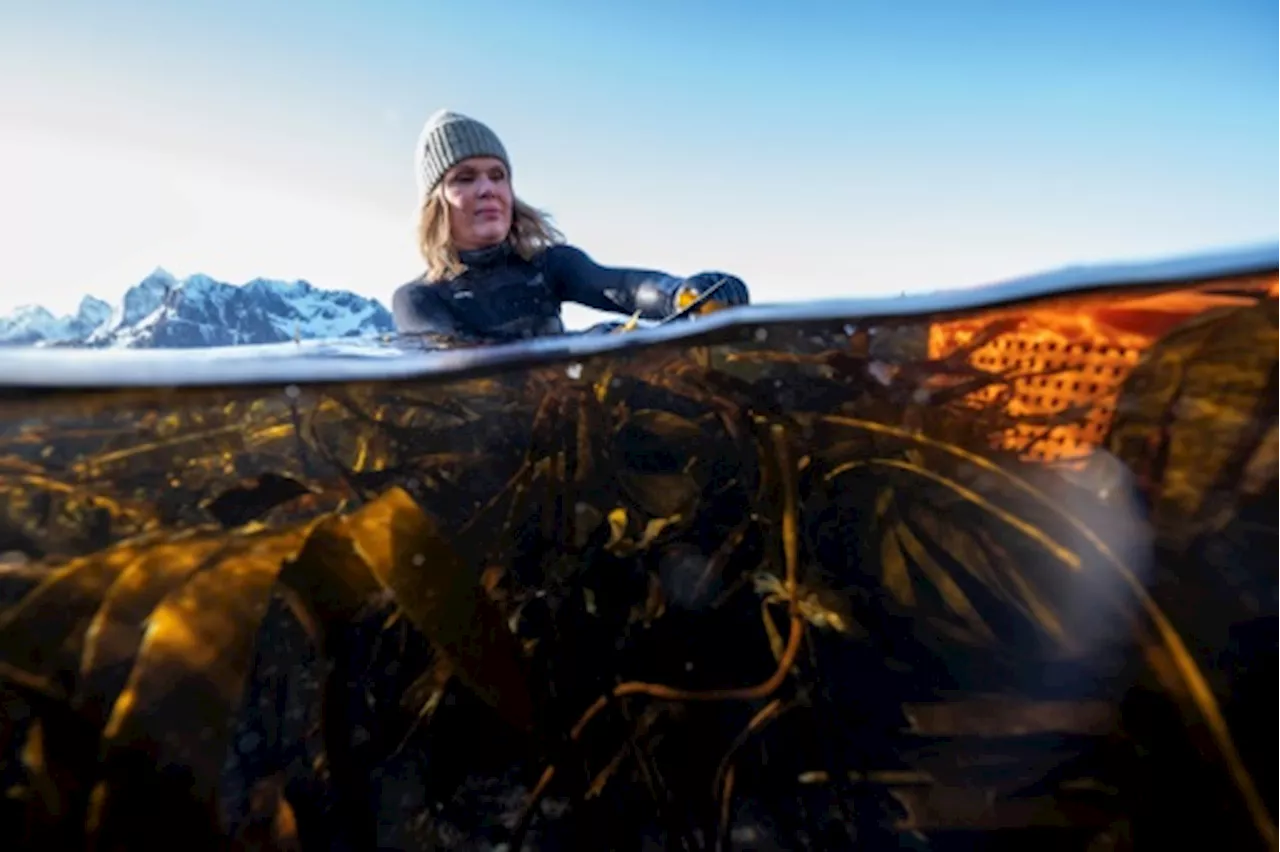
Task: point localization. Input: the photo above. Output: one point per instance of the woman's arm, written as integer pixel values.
(577, 278)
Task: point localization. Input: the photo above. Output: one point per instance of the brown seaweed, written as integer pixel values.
(1000, 579)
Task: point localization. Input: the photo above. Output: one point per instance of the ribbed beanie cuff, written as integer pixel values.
(447, 139)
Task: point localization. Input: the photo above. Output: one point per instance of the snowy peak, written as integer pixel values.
(93, 311)
(31, 313)
(33, 323)
(162, 276)
(162, 310)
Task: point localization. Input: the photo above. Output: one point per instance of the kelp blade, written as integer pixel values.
(985, 570)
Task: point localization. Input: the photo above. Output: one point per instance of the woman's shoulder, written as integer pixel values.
(558, 256)
(417, 306)
(415, 294)
(563, 250)
(410, 286)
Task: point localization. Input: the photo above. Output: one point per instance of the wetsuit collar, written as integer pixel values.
(488, 256)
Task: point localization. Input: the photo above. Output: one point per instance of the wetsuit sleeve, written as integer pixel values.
(577, 278)
(417, 310)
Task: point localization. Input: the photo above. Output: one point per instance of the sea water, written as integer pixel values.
(990, 568)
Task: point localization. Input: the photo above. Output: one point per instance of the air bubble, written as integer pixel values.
(574, 371)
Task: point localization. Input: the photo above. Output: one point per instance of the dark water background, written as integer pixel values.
(991, 569)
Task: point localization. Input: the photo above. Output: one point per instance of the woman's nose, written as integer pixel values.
(484, 187)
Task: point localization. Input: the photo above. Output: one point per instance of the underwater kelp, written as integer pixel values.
(999, 579)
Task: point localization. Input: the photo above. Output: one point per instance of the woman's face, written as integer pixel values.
(478, 192)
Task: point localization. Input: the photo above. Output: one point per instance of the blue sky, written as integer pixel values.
(816, 149)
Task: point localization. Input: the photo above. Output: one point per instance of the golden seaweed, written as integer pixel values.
(822, 584)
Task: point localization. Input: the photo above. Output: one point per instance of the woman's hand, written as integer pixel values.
(711, 291)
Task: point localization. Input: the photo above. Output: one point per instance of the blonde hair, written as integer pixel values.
(531, 232)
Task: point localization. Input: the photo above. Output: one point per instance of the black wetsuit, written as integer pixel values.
(504, 297)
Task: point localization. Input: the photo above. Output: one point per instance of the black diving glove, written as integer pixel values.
(711, 291)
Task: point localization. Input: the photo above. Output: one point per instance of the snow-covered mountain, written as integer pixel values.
(32, 323)
(162, 311)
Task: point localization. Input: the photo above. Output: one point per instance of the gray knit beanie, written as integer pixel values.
(447, 139)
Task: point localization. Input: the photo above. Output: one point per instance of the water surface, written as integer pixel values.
(987, 569)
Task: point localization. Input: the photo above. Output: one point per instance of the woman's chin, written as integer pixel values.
(492, 235)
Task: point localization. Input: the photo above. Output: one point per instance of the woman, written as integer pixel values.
(497, 270)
